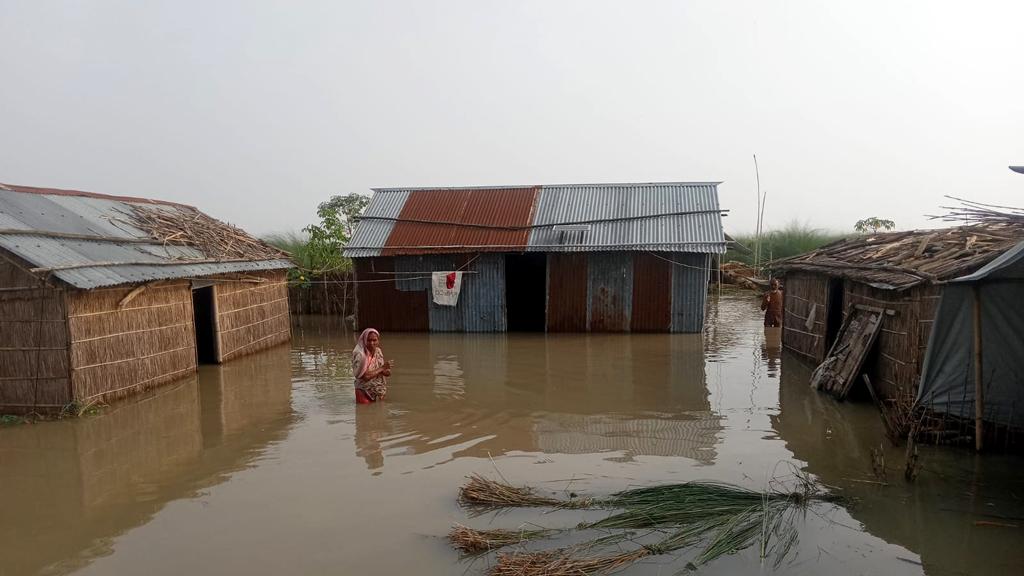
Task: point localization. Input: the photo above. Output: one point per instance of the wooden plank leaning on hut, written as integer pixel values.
(838, 372)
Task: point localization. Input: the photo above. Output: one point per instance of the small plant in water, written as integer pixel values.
(11, 420)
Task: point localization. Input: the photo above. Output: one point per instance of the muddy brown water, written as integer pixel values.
(266, 466)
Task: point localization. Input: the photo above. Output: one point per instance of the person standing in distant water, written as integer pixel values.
(369, 369)
(772, 305)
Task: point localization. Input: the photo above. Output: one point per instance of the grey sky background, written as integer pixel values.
(255, 111)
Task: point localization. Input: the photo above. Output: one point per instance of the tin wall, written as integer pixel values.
(610, 288)
(380, 304)
(481, 302)
(481, 305)
(567, 293)
(652, 293)
(597, 292)
(690, 276)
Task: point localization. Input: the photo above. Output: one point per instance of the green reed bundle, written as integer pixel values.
(720, 517)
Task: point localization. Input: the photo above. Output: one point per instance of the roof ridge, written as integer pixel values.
(83, 193)
(521, 186)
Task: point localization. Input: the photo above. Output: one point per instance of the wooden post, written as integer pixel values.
(979, 395)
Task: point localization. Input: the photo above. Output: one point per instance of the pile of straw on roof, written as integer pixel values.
(901, 260)
(189, 227)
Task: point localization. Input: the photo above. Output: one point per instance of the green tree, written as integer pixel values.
(327, 239)
(873, 224)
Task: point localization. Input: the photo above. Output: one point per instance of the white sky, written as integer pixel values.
(255, 111)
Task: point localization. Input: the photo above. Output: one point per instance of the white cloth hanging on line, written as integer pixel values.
(446, 287)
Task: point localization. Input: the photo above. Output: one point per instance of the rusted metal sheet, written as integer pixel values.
(690, 275)
(567, 293)
(610, 289)
(381, 305)
(425, 224)
(652, 293)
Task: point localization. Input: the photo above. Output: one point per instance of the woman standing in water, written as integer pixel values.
(369, 369)
(771, 303)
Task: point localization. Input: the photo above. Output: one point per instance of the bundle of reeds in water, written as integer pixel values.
(471, 541)
(723, 518)
(481, 493)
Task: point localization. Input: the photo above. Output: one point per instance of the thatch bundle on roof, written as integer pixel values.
(902, 260)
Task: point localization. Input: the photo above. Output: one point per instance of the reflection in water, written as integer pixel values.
(372, 426)
(267, 466)
(949, 515)
(771, 351)
(68, 488)
(575, 394)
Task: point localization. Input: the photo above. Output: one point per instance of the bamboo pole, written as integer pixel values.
(979, 395)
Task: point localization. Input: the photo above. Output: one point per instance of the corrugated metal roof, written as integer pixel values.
(377, 222)
(35, 225)
(491, 219)
(669, 216)
(634, 218)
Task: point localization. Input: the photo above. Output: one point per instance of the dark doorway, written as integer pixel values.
(834, 318)
(525, 287)
(205, 324)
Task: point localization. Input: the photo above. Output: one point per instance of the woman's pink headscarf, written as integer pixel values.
(361, 352)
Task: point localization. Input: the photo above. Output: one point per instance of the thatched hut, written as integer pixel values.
(903, 273)
(104, 296)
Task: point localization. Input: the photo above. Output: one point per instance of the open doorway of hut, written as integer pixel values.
(203, 317)
(834, 320)
(525, 285)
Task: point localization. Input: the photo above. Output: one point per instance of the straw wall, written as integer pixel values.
(895, 368)
(802, 292)
(252, 316)
(33, 344)
(121, 346)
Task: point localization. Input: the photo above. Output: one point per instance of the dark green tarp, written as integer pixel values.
(947, 377)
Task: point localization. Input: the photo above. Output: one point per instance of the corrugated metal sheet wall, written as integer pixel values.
(483, 296)
(599, 292)
(610, 288)
(690, 276)
(381, 305)
(567, 293)
(482, 301)
(652, 293)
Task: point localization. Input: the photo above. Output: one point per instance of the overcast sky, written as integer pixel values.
(255, 111)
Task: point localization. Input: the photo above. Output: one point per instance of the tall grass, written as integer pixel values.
(307, 260)
(792, 239)
(293, 243)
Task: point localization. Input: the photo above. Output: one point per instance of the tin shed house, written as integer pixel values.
(105, 296)
(565, 258)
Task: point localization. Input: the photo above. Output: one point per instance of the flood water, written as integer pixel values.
(266, 466)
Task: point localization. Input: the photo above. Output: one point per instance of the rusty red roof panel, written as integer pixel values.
(480, 219)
